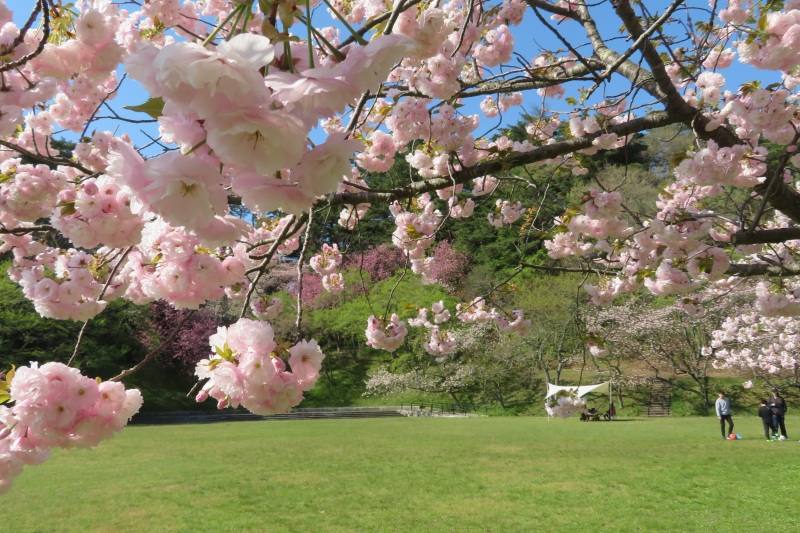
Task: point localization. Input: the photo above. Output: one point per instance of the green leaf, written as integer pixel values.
(153, 107)
(775, 5)
(5, 385)
(381, 27)
(68, 209)
(225, 352)
(676, 159)
(265, 6)
(643, 274)
(762, 22)
(750, 87)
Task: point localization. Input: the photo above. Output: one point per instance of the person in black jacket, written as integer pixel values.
(766, 418)
(778, 407)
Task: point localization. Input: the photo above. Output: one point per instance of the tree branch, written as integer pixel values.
(153, 353)
(500, 164)
(45, 159)
(762, 269)
(578, 71)
(766, 236)
(550, 8)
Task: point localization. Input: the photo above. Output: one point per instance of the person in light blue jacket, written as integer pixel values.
(723, 408)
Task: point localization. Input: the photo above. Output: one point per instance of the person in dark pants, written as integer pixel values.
(778, 406)
(766, 418)
(723, 408)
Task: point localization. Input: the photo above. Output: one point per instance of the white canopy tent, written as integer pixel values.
(581, 391)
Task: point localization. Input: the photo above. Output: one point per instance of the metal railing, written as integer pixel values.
(443, 408)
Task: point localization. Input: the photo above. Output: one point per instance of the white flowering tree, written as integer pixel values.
(646, 338)
(291, 108)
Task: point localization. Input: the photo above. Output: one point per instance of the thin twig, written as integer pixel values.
(41, 5)
(300, 262)
(100, 297)
(153, 353)
(263, 266)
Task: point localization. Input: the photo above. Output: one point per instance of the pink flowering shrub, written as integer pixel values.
(188, 346)
(379, 263)
(449, 266)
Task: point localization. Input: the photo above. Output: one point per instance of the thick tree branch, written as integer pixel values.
(24, 229)
(45, 159)
(500, 164)
(672, 98)
(761, 269)
(630, 70)
(550, 8)
(579, 71)
(766, 236)
(547, 268)
(782, 197)
(642, 39)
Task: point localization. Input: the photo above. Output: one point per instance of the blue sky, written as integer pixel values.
(531, 38)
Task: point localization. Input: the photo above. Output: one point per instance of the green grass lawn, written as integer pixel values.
(416, 474)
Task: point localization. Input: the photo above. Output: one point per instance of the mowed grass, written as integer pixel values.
(417, 474)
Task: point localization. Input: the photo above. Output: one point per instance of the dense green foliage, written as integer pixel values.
(109, 343)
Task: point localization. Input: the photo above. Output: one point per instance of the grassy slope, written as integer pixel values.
(488, 474)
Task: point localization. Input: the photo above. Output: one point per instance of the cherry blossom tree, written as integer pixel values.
(660, 341)
(295, 109)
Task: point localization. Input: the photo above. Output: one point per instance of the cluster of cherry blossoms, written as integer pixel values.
(441, 341)
(265, 308)
(352, 214)
(764, 345)
(386, 335)
(414, 230)
(508, 213)
(564, 405)
(55, 406)
(255, 127)
(246, 369)
(326, 263)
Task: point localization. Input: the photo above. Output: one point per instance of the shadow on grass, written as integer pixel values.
(620, 420)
